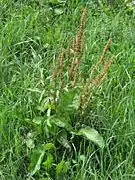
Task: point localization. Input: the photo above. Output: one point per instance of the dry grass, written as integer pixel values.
(71, 67)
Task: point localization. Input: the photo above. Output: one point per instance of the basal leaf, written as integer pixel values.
(92, 135)
(38, 164)
(62, 139)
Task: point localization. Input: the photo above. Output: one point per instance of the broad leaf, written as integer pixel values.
(62, 139)
(92, 135)
(69, 101)
(36, 165)
(48, 162)
(49, 146)
(62, 167)
(62, 122)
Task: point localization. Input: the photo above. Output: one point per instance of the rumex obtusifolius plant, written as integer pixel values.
(68, 92)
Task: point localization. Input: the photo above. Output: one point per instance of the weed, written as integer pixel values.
(56, 95)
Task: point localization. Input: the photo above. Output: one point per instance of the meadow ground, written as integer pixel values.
(31, 34)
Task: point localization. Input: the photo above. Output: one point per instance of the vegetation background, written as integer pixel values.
(36, 141)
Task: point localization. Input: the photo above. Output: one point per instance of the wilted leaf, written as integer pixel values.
(93, 135)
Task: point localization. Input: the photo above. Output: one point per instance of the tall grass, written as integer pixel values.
(30, 39)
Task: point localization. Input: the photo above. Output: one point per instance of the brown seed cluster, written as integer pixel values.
(67, 70)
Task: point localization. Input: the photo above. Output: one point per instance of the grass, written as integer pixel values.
(30, 38)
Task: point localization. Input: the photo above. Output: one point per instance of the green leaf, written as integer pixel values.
(45, 104)
(76, 102)
(92, 135)
(30, 143)
(62, 167)
(58, 11)
(82, 157)
(48, 162)
(62, 122)
(62, 139)
(53, 1)
(34, 158)
(48, 122)
(59, 123)
(49, 146)
(48, 112)
(37, 120)
(69, 101)
(37, 166)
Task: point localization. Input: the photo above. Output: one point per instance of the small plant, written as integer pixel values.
(68, 92)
